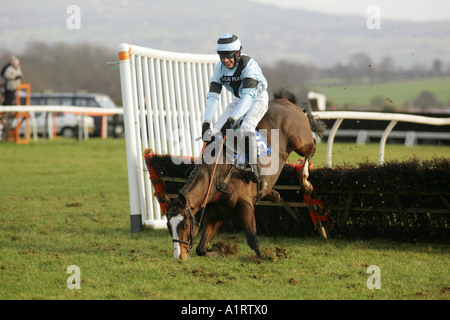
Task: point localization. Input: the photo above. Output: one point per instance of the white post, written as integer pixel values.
(331, 140)
(130, 137)
(383, 140)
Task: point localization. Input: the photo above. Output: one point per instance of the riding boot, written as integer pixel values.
(253, 157)
(251, 169)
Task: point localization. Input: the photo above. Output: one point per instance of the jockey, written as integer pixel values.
(241, 75)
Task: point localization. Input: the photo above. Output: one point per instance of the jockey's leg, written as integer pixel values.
(251, 120)
(252, 150)
(255, 113)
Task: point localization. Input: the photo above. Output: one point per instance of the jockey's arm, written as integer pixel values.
(212, 102)
(249, 93)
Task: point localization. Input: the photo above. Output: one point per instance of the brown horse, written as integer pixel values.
(230, 193)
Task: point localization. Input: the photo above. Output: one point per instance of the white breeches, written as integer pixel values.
(251, 118)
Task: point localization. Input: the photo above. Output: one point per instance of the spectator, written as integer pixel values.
(12, 73)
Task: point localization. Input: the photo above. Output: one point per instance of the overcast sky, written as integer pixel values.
(414, 10)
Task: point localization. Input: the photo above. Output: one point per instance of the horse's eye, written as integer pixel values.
(186, 225)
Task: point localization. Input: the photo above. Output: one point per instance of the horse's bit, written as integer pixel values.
(192, 220)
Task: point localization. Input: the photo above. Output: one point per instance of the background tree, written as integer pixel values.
(426, 99)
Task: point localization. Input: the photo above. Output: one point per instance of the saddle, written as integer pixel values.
(237, 154)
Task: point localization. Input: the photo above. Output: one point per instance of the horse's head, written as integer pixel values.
(182, 226)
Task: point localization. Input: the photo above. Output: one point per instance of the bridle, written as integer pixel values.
(192, 220)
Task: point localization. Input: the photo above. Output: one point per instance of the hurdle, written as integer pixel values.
(164, 97)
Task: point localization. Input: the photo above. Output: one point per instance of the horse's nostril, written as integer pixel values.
(184, 256)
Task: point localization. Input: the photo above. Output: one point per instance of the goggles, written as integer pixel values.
(227, 55)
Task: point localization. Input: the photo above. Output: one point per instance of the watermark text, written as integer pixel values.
(374, 281)
(74, 281)
(373, 21)
(73, 21)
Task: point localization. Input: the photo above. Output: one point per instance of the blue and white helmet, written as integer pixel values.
(228, 43)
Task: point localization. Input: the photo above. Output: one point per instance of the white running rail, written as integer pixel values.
(394, 118)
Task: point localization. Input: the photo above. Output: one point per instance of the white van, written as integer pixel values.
(82, 99)
(67, 124)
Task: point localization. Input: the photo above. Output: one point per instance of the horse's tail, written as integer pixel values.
(317, 126)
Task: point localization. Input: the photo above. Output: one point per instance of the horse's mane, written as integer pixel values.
(193, 172)
(283, 93)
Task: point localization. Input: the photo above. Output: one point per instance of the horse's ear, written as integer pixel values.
(182, 199)
(166, 205)
(168, 200)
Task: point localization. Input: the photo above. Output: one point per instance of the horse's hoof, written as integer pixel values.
(308, 189)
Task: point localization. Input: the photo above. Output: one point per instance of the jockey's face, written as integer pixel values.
(229, 60)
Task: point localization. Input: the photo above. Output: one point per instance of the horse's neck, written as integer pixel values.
(194, 198)
(196, 188)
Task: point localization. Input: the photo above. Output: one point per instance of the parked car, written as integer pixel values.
(67, 124)
(81, 99)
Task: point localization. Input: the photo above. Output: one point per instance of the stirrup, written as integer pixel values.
(249, 171)
(254, 174)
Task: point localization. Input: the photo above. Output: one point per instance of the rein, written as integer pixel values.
(212, 176)
(192, 219)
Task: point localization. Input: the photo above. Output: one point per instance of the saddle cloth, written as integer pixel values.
(263, 149)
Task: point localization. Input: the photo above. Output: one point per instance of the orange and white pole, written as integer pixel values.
(130, 138)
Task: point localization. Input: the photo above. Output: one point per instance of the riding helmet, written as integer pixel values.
(229, 44)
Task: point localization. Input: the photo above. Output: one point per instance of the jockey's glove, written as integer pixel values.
(228, 125)
(206, 131)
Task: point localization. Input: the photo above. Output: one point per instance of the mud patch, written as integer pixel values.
(271, 255)
(74, 204)
(213, 277)
(226, 247)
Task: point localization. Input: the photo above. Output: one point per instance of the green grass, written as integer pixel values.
(65, 203)
(399, 92)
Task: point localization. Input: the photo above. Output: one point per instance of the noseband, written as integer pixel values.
(192, 220)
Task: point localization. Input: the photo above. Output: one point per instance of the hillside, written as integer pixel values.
(393, 95)
(268, 32)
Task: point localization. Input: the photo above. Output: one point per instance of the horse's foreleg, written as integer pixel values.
(210, 231)
(247, 214)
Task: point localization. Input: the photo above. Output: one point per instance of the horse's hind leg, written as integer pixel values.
(306, 185)
(247, 214)
(307, 151)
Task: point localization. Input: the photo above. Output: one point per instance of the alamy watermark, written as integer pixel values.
(73, 281)
(73, 21)
(373, 21)
(374, 281)
(269, 164)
